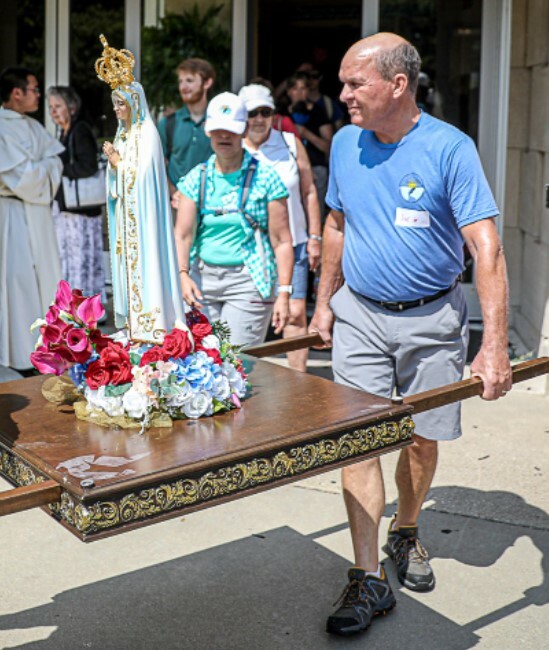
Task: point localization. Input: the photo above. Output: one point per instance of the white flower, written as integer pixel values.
(135, 403)
(184, 393)
(211, 342)
(197, 405)
(97, 399)
(221, 388)
(236, 382)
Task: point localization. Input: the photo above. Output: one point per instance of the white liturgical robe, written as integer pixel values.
(30, 173)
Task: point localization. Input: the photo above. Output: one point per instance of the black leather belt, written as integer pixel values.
(410, 304)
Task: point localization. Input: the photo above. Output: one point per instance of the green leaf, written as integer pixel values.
(115, 391)
(155, 386)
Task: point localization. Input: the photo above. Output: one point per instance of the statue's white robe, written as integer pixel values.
(30, 173)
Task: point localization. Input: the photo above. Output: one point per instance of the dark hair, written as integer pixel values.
(283, 104)
(297, 76)
(11, 78)
(68, 95)
(402, 59)
(197, 66)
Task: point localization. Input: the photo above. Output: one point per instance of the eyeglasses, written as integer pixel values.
(35, 89)
(264, 112)
(315, 75)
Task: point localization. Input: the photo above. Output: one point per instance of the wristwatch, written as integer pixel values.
(285, 288)
(315, 237)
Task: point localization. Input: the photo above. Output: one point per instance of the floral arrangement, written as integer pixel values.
(195, 372)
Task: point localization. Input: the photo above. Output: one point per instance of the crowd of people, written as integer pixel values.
(258, 181)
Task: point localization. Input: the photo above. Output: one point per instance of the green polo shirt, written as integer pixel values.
(190, 145)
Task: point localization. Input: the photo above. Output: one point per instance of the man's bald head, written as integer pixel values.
(391, 54)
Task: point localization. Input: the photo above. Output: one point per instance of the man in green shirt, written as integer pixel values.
(183, 139)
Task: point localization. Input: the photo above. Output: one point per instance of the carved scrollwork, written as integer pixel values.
(237, 478)
(89, 518)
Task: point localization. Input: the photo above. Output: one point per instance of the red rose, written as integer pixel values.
(117, 363)
(97, 374)
(176, 345)
(99, 341)
(194, 316)
(200, 330)
(156, 353)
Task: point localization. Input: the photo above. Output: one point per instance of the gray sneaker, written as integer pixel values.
(410, 557)
(364, 597)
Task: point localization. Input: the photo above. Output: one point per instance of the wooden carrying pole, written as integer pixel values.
(49, 491)
(29, 496)
(472, 387)
(284, 345)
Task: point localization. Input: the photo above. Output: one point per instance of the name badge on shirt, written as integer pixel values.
(406, 218)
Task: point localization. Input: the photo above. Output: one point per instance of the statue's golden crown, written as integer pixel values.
(115, 67)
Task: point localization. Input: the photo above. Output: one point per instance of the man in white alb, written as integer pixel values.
(30, 173)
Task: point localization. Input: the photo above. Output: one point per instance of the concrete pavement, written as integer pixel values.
(263, 572)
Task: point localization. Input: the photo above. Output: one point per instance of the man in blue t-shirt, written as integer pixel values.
(405, 192)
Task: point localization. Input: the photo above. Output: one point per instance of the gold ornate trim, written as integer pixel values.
(88, 519)
(241, 477)
(16, 471)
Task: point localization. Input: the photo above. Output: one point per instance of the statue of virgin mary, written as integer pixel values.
(146, 287)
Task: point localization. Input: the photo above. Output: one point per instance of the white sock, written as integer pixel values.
(376, 574)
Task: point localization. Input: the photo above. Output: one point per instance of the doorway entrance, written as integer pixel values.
(290, 32)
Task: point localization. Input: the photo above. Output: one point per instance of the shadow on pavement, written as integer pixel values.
(272, 590)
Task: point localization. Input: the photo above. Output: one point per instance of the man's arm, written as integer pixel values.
(331, 276)
(491, 363)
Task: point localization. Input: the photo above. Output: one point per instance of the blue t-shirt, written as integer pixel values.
(404, 204)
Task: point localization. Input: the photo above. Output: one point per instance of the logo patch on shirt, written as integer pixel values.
(411, 188)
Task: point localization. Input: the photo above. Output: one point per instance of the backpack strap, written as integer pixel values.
(247, 183)
(329, 106)
(202, 191)
(248, 179)
(290, 142)
(170, 130)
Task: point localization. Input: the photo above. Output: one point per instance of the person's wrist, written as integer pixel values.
(317, 238)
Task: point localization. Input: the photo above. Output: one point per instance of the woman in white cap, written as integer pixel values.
(232, 232)
(287, 155)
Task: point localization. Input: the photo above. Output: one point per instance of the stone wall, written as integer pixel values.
(526, 235)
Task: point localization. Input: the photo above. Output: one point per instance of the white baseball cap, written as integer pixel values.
(256, 95)
(226, 112)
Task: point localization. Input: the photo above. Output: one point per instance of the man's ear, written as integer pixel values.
(208, 83)
(400, 84)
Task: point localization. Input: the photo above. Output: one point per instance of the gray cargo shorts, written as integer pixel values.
(230, 295)
(382, 351)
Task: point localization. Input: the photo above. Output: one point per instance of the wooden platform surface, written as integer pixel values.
(286, 412)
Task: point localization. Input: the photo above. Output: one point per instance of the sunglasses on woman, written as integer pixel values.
(264, 112)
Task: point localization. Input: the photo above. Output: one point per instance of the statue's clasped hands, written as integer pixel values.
(111, 153)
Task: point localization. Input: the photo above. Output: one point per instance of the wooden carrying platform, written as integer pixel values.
(100, 482)
(105, 481)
